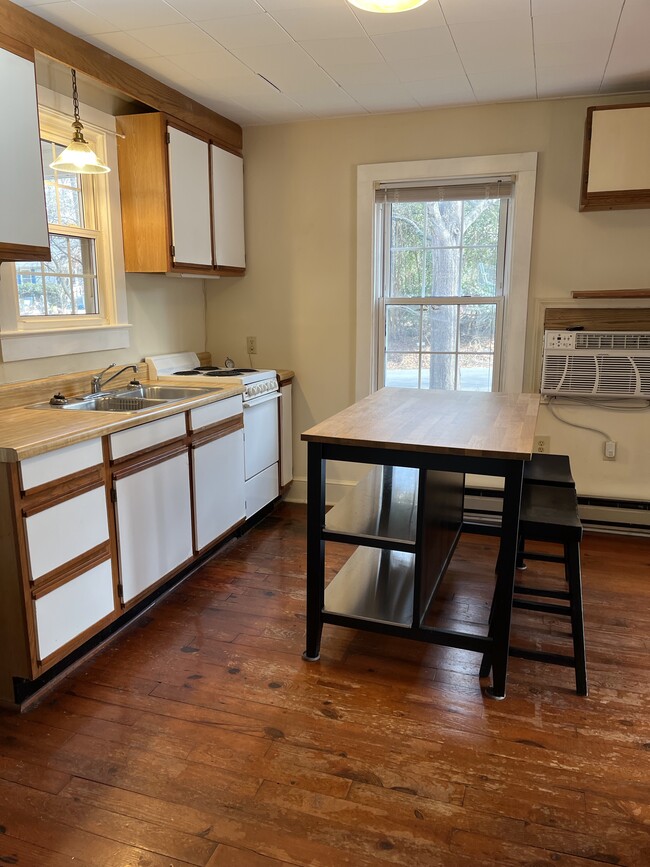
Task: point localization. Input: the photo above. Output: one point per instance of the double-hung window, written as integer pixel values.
(441, 253)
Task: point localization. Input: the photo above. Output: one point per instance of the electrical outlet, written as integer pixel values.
(251, 345)
(609, 451)
(542, 445)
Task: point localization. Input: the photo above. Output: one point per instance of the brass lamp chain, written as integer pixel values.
(77, 125)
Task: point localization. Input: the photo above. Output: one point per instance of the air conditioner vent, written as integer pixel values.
(596, 364)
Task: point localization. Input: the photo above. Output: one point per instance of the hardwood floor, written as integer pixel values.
(199, 736)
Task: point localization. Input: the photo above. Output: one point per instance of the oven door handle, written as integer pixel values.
(256, 401)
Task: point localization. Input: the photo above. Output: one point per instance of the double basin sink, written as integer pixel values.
(132, 399)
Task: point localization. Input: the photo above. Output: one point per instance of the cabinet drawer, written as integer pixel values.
(63, 532)
(146, 436)
(63, 462)
(72, 608)
(211, 413)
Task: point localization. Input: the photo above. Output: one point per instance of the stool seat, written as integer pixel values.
(550, 514)
(544, 469)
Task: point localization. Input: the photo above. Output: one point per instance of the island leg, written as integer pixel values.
(505, 582)
(315, 549)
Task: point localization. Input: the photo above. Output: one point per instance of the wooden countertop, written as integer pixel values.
(483, 424)
(27, 432)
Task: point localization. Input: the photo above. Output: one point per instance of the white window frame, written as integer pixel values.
(523, 167)
(27, 337)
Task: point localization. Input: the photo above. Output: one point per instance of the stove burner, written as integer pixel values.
(215, 371)
(186, 372)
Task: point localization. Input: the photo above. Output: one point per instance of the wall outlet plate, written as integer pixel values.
(542, 445)
(251, 345)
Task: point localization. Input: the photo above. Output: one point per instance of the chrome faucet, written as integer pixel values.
(96, 384)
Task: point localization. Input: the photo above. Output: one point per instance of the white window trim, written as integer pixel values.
(523, 167)
(23, 338)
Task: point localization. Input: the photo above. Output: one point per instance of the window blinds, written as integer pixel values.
(438, 191)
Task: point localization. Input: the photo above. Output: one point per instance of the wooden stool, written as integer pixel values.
(550, 514)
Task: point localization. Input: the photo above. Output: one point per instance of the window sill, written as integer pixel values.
(23, 345)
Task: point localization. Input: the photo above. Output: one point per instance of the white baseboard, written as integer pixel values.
(334, 491)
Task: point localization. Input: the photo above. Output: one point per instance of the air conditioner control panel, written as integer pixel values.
(559, 340)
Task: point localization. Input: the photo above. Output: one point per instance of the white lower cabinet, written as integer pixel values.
(286, 443)
(218, 477)
(154, 522)
(69, 610)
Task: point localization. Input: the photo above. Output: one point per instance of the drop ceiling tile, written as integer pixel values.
(573, 28)
(167, 71)
(131, 14)
(246, 30)
(333, 102)
(214, 65)
(584, 8)
(629, 57)
(350, 75)
(560, 54)
(123, 45)
(422, 68)
(274, 6)
(74, 18)
(467, 11)
(421, 18)
(388, 97)
(283, 65)
(339, 52)
(445, 90)
(336, 22)
(567, 81)
(206, 10)
(410, 44)
(490, 46)
(175, 38)
(505, 84)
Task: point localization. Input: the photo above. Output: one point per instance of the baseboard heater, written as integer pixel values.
(604, 514)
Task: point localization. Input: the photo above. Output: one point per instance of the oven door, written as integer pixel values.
(261, 433)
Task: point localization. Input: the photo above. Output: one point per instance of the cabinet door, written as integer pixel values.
(189, 182)
(154, 525)
(218, 473)
(23, 226)
(228, 208)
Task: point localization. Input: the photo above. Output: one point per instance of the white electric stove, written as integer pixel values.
(185, 366)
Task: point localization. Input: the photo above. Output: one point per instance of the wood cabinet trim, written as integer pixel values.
(56, 490)
(16, 47)
(146, 458)
(126, 606)
(200, 551)
(23, 253)
(217, 431)
(70, 570)
(75, 52)
(90, 483)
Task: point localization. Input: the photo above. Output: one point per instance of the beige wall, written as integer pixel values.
(298, 297)
(166, 314)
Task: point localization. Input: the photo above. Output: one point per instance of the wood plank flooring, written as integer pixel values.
(200, 737)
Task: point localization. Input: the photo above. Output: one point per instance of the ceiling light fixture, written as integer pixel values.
(78, 157)
(387, 5)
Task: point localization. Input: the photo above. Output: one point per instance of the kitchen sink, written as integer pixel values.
(133, 399)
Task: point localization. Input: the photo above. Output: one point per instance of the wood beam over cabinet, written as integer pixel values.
(52, 41)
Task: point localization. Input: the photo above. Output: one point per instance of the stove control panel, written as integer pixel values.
(256, 389)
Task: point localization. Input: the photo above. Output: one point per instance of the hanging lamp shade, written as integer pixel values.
(387, 5)
(78, 157)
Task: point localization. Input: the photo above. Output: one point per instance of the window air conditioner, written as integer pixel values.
(596, 363)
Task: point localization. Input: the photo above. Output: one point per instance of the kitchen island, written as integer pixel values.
(406, 517)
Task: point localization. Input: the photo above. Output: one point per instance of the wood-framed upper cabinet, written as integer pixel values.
(168, 214)
(228, 208)
(23, 225)
(616, 161)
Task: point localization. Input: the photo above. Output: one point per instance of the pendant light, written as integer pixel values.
(78, 157)
(387, 5)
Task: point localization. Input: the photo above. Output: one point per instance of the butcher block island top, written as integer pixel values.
(485, 424)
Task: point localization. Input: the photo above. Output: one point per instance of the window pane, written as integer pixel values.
(403, 328)
(477, 327)
(444, 220)
(475, 372)
(406, 273)
(439, 327)
(479, 275)
(402, 370)
(65, 286)
(70, 213)
(408, 224)
(481, 222)
(443, 271)
(439, 370)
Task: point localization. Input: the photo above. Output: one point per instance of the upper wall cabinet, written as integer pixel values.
(182, 199)
(23, 220)
(616, 167)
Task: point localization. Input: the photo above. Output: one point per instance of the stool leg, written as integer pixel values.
(573, 576)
